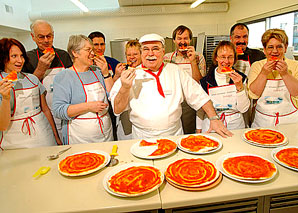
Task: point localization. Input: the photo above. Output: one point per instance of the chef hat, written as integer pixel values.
(152, 37)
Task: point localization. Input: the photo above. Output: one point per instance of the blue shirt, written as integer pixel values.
(68, 89)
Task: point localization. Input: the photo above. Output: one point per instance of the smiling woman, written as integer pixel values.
(225, 87)
(274, 78)
(26, 120)
(81, 95)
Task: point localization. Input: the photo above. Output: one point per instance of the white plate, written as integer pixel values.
(123, 167)
(145, 151)
(194, 186)
(285, 142)
(220, 161)
(200, 152)
(107, 160)
(275, 151)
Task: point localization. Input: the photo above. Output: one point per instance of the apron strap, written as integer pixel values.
(277, 119)
(26, 124)
(223, 119)
(100, 122)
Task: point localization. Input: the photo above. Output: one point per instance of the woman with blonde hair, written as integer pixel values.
(273, 83)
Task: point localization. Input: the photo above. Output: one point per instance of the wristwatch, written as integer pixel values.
(107, 76)
(215, 117)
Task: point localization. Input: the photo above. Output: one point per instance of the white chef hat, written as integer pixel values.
(152, 37)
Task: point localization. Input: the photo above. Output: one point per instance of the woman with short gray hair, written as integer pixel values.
(81, 95)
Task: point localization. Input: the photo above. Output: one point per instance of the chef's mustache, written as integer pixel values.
(240, 43)
(151, 58)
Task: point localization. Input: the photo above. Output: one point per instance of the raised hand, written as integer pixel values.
(5, 87)
(237, 79)
(191, 54)
(127, 77)
(101, 62)
(44, 62)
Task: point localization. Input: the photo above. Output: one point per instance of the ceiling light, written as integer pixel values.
(80, 5)
(196, 3)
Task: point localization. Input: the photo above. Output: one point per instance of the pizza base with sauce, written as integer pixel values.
(49, 50)
(248, 167)
(266, 137)
(12, 76)
(134, 180)
(288, 156)
(153, 149)
(83, 163)
(198, 143)
(192, 172)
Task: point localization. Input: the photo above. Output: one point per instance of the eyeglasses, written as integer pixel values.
(279, 48)
(223, 58)
(89, 50)
(154, 49)
(43, 37)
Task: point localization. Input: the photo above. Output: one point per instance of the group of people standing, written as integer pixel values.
(83, 96)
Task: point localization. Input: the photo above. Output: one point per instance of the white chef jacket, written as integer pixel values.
(152, 112)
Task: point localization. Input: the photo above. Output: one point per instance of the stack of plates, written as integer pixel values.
(286, 156)
(199, 144)
(248, 168)
(193, 174)
(265, 138)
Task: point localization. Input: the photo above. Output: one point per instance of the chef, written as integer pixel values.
(154, 93)
(45, 66)
(226, 90)
(26, 120)
(191, 62)
(273, 82)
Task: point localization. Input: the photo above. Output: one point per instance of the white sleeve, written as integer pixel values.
(194, 94)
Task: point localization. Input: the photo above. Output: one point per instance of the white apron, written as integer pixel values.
(91, 127)
(243, 66)
(275, 105)
(224, 100)
(29, 127)
(48, 84)
(186, 67)
(141, 133)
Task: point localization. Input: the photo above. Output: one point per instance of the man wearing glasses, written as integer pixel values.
(46, 61)
(154, 91)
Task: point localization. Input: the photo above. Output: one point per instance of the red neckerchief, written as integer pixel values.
(159, 88)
